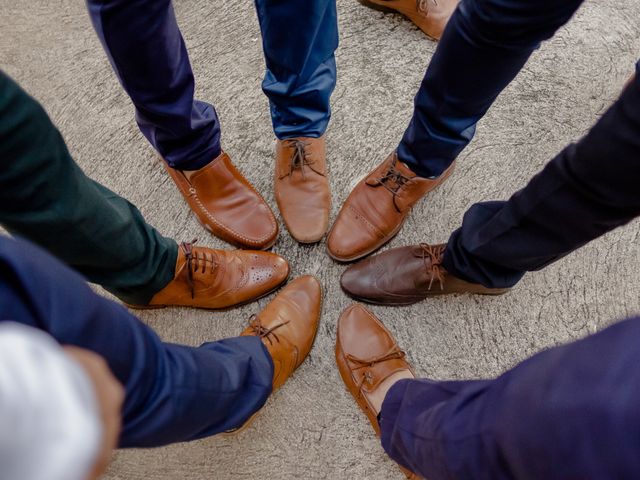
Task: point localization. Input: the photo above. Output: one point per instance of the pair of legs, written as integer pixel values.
(148, 54)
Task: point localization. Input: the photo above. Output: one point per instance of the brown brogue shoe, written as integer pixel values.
(227, 204)
(369, 361)
(288, 326)
(406, 275)
(376, 209)
(302, 187)
(215, 279)
(430, 16)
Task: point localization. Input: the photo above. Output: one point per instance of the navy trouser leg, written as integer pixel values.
(174, 393)
(567, 413)
(147, 52)
(589, 189)
(299, 40)
(483, 47)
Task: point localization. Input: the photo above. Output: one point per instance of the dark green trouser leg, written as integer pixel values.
(46, 198)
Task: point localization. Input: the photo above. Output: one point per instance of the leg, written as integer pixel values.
(45, 197)
(173, 392)
(484, 46)
(299, 39)
(147, 52)
(589, 189)
(564, 413)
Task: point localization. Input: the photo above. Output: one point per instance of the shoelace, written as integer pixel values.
(423, 5)
(197, 262)
(393, 180)
(393, 353)
(263, 332)
(434, 267)
(299, 159)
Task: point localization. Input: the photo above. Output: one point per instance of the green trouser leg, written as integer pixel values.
(46, 198)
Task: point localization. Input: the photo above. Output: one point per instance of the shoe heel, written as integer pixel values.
(375, 6)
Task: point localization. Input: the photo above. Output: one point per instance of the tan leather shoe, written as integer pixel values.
(302, 187)
(406, 275)
(370, 362)
(376, 209)
(430, 16)
(215, 279)
(287, 327)
(227, 204)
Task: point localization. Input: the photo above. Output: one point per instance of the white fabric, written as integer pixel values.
(49, 422)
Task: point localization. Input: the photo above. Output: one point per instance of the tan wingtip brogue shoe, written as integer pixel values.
(226, 204)
(219, 279)
(406, 275)
(430, 16)
(288, 326)
(376, 209)
(301, 187)
(369, 361)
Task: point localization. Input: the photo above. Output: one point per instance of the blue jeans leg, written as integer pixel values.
(567, 413)
(174, 393)
(589, 189)
(483, 47)
(299, 40)
(147, 52)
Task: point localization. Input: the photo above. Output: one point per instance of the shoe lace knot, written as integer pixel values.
(199, 261)
(259, 330)
(393, 181)
(299, 158)
(432, 258)
(367, 377)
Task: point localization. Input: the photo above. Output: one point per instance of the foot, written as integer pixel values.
(406, 275)
(376, 209)
(215, 279)
(302, 187)
(430, 16)
(288, 326)
(227, 204)
(370, 361)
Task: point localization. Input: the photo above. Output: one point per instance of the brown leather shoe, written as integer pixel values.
(214, 279)
(302, 187)
(369, 361)
(430, 16)
(288, 326)
(227, 204)
(376, 209)
(406, 275)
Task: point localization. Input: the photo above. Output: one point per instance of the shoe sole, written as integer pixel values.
(377, 7)
(253, 416)
(493, 293)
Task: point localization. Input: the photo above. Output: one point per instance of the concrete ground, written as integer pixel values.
(312, 428)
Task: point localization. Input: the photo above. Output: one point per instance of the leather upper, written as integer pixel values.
(227, 204)
(405, 275)
(431, 16)
(288, 325)
(221, 278)
(376, 209)
(302, 188)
